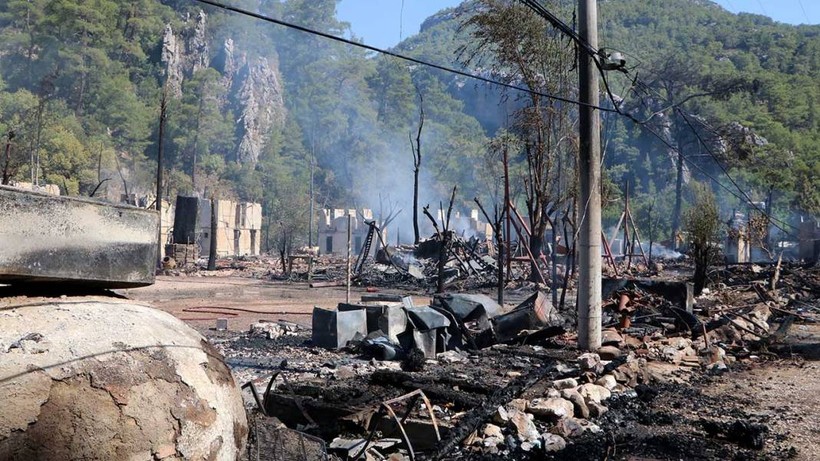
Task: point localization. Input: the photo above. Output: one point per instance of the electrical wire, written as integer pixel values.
(805, 15)
(552, 19)
(746, 198)
(451, 70)
(715, 180)
(560, 25)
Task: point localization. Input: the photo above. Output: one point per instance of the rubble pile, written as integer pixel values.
(466, 378)
(392, 327)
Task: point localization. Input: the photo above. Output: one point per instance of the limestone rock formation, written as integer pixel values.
(253, 87)
(262, 107)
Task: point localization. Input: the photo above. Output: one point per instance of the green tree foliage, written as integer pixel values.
(522, 48)
(751, 75)
(702, 222)
(81, 81)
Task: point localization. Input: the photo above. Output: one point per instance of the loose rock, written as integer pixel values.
(594, 393)
(580, 406)
(607, 381)
(565, 383)
(553, 442)
(609, 352)
(596, 410)
(551, 408)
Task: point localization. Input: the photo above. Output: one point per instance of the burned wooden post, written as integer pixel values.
(417, 167)
(497, 225)
(444, 236)
(212, 251)
(162, 110)
(6, 173)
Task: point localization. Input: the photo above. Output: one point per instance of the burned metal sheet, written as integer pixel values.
(535, 313)
(469, 307)
(425, 318)
(334, 329)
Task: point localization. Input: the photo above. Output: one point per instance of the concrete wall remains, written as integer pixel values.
(238, 227)
(333, 231)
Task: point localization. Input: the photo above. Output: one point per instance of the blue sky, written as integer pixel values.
(382, 23)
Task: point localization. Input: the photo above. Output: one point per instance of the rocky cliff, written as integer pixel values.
(252, 83)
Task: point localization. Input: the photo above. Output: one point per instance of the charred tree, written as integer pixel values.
(525, 49)
(6, 168)
(417, 167)
(498, 232)
(702, 224)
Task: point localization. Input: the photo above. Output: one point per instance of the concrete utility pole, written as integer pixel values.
(589, 281)
(162, 108)
(310, 218)
(347, 277)
(212, 245)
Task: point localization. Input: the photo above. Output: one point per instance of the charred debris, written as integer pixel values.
(463, 377)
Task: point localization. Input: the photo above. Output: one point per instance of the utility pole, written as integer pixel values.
(310, 218)
(347, 276)
(162, 108)
(589, 278)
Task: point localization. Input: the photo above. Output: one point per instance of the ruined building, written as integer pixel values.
(238, 226)
(333, 231)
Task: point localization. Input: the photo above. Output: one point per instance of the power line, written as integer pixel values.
(543, 12)
(726, 172)
(401, 22)
(264, 18)
(762, 9)
(805, 15)
(561, 26)
(686, 118)
(538, 9)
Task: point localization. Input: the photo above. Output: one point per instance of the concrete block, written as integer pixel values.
(334, 329)
(85, 242)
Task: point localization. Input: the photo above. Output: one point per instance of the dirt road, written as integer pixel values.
(201, 300)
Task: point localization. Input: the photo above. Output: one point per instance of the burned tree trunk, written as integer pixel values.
(6, 171)
(498, 231)
(678, 198)
(416, 168)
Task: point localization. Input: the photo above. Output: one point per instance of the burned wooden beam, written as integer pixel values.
(483, 412)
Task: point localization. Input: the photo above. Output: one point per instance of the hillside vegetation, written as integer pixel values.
(252, 107)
